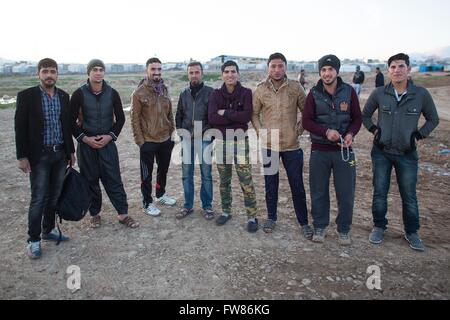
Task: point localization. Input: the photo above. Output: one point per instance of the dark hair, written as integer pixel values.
(399, 56)
(47, 63)
(378, 68)
(229, 63)
(277, 55)
(303, 70)
(195, 63)
(152, 60)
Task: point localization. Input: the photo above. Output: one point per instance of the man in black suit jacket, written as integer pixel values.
(44, 147)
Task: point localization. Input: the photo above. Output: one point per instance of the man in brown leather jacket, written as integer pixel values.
(152, 123)
(277, 106)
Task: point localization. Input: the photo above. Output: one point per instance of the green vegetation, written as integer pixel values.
(7, 106)
(207, 77)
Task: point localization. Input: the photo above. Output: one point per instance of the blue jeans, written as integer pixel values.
(293, 164)
(201, 150)
(406, 168)
(46, 179)
(357, 88)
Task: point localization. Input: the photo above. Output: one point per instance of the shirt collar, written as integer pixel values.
(45, 92)
(270, 83)
(399, 97)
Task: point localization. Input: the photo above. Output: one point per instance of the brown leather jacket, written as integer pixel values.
(151, 115)
(279, 110)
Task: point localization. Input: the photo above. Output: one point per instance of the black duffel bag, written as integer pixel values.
(75, 198)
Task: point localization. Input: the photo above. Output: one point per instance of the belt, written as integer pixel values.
(54, 147)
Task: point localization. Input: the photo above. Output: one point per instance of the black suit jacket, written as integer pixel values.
(29, 124)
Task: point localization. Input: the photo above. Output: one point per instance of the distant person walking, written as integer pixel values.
(97, 120)
(192, 111)
(333, 118)
(379, 78)
(358, 80)
(152, 123)
(396, 131)
(44, 148)
(302, 79)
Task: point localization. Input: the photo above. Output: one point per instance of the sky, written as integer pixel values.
(131, 31)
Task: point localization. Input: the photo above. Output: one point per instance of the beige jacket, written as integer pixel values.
(151, 115)
(279, 110)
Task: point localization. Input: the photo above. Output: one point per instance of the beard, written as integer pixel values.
(156, 78)
(329, 81)
(48, 83)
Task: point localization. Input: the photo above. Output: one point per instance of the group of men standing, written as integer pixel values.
(278, 109)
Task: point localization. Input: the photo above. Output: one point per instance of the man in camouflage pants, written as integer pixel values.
(230, 109)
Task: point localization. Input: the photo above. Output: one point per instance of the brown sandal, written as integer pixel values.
(183, 213)
(208, 214)
(96, 221)
(129, 222)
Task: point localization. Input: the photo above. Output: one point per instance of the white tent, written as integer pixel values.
(352, 68)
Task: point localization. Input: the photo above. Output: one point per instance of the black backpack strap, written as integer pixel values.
(59, 230)
(57, 215)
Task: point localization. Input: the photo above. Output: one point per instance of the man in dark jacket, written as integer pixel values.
(97, 119)
(333, 118)
(379, 78)
(399, 106)
(230, 110)
(44, 149)
(192, 121)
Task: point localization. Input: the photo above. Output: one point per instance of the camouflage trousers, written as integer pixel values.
(237, 153)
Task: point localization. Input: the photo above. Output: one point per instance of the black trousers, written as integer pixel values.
(321, 164)
(162, 152)
(103, 165)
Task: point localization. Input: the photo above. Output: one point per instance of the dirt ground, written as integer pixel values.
(194, 259)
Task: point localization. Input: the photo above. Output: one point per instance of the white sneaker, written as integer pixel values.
(151, 210)
(168, 201)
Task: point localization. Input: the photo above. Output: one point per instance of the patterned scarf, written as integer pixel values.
(157, 86)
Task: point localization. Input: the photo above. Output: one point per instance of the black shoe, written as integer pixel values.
(222, 219)
(252, 226)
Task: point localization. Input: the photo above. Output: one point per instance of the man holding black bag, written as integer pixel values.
(44, 147)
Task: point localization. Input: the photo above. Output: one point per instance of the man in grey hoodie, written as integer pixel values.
(399, 105)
